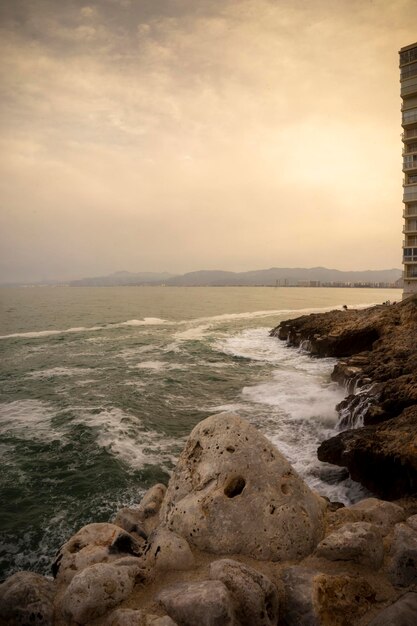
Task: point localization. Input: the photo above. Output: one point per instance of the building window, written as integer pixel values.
(408, 56)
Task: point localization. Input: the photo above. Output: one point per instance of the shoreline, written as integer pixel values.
(238, 538)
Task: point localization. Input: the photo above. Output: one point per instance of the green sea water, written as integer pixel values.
(101, 386)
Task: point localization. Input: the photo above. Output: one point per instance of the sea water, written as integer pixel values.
(101, 386)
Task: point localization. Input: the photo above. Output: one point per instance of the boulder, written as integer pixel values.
(316, 599)
(206, 603)
(136, 617)
(144, 518)
(27, 598)
(358, 542)
(98, 588)
(402, 569)
(412, 521)
(401, 613)
(233, 492)
(168, 551)
(380, 513)
(94, 543)
(255, 597)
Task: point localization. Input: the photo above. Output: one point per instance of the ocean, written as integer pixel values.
(101, 386)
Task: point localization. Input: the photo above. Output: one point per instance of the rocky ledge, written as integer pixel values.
(377, 352)
(237, 539)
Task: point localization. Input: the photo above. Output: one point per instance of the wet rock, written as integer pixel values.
(400, 613)
(382, 457)
(98, 588)
(382, 514)
(232, 491)
(358, 542)
(206, 603)
(94, 543)
(168, 551)
(255, 597)
(317, 599)
(402, 570)
(380, 357)
(135, 617)
(27, 598)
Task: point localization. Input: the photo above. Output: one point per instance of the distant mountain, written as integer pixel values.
(282, 276)
(123, 279)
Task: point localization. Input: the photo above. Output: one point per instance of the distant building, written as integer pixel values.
(408, 79)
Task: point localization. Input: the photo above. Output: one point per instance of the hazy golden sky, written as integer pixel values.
(186, 134)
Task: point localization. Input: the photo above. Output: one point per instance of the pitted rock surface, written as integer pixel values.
(94, 543)
(233, 492)
(204, 603)
(255, 596)
(27, 598)
(98, 588)
(359, 542)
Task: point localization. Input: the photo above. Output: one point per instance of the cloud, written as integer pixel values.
(149, 135)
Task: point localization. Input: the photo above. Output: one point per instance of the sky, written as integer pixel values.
(177, 135)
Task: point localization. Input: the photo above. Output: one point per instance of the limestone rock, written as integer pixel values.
(401, 613)
(206, 603)
(412, 521)
(382, 514)
(136, 617)
(232, 491)
(131, 521)
(316, 599)
(381, 354)
(358, 542)
(27, 598)
(168, 551)
(144, 518)
(98, 588)
(94, 543)
(403, 564)
(255, 597)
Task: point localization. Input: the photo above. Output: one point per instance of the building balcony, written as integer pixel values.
(409, 230)
(409, 119)
(409, 166)
(412, 213)
(409, 134)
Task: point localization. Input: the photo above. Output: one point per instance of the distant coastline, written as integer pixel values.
(272, 277)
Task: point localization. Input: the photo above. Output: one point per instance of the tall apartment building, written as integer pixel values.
(408, 79)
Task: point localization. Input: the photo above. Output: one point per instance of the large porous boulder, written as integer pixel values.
(403, 612)
(255, 596)
(94, 543)
(98, 588)
(27, 598)
(359, 542)
(403, 556)
(318, 599)
(233, 492)
(206, 603)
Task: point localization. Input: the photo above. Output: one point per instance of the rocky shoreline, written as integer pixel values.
(237, 538)
(377, 352)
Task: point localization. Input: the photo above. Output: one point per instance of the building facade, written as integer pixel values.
(408, 79)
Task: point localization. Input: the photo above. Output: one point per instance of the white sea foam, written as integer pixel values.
(59, 371)
(124, 435)
(158, 366)
(147, 321)
(194, 333)
(28, 419)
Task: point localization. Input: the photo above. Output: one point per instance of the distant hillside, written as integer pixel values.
(218, 278)
(123, 278)
(284, 275)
